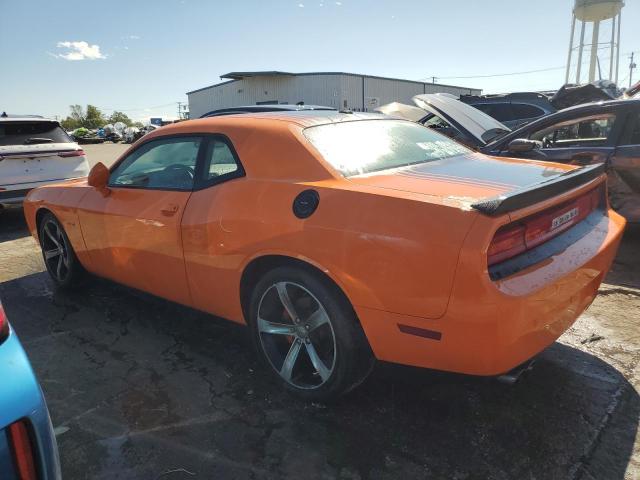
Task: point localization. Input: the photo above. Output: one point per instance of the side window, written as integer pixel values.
(586, 131)
(631, 135)
(160, 164)
(524, 110)
(219, 161)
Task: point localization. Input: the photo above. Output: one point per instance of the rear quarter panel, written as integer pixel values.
(387, 250)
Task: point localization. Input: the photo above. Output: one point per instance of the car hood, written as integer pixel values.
(468, 119)
(464, 179)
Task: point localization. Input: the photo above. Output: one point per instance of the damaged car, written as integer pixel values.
(605, 132)
(340, 238)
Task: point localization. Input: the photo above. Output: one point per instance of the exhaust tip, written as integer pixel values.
(512, 377)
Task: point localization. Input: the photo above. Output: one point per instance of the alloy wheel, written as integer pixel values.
(296, 335)
(55, 251)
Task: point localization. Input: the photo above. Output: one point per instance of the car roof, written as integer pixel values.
(303, 118)
(264, 108)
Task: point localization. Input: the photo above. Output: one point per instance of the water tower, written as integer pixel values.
(592, 14)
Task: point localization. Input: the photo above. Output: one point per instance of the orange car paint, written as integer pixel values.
(412, 252)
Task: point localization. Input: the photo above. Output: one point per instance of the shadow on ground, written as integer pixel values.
(12, 224)
(142, 388)
(625, 271)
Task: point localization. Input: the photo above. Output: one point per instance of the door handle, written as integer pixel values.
(170, 209)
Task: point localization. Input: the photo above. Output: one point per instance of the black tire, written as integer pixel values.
(59, 257)
(335, 336)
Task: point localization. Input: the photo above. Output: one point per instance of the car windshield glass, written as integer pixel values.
(25, 133)
(360, 147)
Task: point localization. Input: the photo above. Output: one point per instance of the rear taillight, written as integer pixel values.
(22, 450)
(526, 234)
(74, 153)
(4, 324)
(507, 242)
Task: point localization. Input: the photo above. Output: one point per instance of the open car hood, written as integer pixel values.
(571, 95)
(473, 123)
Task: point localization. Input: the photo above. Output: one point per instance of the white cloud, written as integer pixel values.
(80, 51)
(338, 3)
(134, 37)
(301, 5)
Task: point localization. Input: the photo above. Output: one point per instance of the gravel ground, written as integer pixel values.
(141, 388)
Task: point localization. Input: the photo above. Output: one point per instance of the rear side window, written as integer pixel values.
(166, 164)
(365, 146)
(218, 160)
(524, 110)
(31, 133)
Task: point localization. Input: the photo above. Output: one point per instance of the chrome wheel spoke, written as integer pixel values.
(290, 360)
(275, 328)
(317, 362)
(286, 300)
(317, 319)
(49, 254)
(53, 237)
(59, 268)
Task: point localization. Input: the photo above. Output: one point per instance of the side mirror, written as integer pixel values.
(523, 145)
(99, 178)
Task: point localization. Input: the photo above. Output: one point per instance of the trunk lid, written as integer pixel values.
(21, 164)
(468, 178)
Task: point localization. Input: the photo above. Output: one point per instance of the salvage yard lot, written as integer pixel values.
(141, 388)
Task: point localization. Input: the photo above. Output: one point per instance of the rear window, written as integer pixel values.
(366, 146)
(26, 133)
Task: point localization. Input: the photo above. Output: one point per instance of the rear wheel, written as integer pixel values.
(308, 334)
(59, 258)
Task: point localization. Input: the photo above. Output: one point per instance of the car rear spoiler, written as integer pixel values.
(530, 195)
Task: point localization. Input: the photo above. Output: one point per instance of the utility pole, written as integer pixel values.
(434, 79)
(179, 110)
(632, 66)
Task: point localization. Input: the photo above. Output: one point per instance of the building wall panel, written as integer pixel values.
(333, 90)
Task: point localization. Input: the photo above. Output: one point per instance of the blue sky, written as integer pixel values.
(142, 56)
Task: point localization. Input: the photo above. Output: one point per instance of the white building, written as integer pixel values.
(333, 89)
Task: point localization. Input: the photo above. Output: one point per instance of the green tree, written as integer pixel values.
(138, 124)
(92, 117)
(120, 117)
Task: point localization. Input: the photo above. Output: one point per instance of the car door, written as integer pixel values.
(582, 140)
(221, 201)
(133, 233)
(624, 171)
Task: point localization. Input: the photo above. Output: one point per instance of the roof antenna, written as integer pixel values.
(4, 115)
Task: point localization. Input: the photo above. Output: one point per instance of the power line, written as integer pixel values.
(510, 74)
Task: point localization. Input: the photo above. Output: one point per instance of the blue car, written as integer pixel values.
(28, 449)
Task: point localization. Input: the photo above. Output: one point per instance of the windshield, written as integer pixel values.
(366, 146)
(29, 133)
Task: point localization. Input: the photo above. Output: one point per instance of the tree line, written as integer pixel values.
(91, 117)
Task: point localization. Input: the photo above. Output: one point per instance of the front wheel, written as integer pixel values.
(59, 258)
(307, 333)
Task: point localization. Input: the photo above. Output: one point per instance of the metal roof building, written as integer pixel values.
(333, 89)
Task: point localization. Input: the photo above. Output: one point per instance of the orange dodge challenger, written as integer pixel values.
(340, 238)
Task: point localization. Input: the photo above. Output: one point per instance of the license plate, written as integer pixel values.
(564, 218)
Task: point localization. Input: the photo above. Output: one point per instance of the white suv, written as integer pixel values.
(35, 151)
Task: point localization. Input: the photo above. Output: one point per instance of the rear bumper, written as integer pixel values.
(21, 398)
(492, 327)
